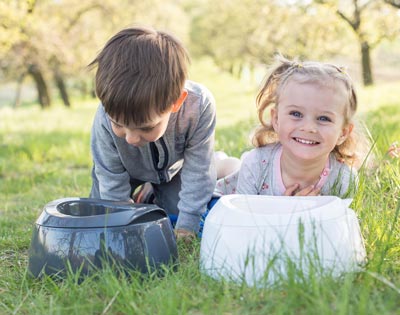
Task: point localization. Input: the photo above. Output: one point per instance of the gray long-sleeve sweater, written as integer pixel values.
(186, 146)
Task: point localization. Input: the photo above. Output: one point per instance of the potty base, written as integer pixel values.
(86, 234)
(265, 239)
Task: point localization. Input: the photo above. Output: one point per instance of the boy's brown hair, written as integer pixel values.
(140, 72)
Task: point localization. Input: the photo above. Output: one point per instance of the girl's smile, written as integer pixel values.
(309, 120)
(304, 141)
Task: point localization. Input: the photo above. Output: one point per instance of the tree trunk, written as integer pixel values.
(366, 64)
(93, 90)
(83, 88)
(61, 87)
(17, 101)
(41, 86)
(239, 71)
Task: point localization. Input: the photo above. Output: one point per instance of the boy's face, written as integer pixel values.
(139, 135)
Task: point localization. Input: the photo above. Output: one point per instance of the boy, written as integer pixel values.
(153, 126)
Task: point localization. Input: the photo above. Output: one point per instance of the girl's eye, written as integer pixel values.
(295, 114)
(324, 118)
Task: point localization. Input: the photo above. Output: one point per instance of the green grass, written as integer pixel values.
(44, 155)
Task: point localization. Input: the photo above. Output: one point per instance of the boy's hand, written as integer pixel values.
(187, 244)
(184, 235)
(308, 191)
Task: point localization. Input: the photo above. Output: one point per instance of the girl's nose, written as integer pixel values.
(309, 125)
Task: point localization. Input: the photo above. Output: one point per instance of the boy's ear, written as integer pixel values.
(177, 105)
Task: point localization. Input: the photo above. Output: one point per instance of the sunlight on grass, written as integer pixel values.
(235, 99)
(34, 119)
(374, 97)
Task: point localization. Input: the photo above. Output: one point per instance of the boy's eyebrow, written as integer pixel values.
(137, 127)
(112, 120)
(150, 126)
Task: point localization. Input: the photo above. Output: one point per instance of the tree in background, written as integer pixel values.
(371, 22)
(247, 33)
(395, 3)
(36, 43)
(54, 41)
(18, 52)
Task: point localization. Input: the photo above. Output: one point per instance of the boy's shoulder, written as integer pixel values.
(199, 100)
(198, 89)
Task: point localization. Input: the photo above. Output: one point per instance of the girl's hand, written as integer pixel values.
(394, 150)
(308, 191)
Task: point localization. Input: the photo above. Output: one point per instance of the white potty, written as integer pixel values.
(264, 239)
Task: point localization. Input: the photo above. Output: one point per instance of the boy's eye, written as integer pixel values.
(296, 114)
(324, 118)
(147, 129)
(116, 125)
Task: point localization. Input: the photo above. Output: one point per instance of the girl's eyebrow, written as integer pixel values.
(295, 106)
(325, 112)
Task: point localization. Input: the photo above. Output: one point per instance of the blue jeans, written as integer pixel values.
(173, 217)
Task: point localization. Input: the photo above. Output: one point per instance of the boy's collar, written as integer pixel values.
(177, 105)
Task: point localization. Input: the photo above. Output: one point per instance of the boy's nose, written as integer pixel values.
(132, 137)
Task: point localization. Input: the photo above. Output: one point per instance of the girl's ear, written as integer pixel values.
(346, 131)
(274, 118)
(177, 105)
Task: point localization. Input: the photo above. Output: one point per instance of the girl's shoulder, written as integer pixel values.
(342, 180)
(338, 167)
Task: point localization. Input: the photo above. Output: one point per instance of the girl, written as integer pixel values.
(309, 146)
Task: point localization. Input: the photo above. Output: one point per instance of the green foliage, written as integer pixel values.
(250, 32)
(54, 41)
(44, 155)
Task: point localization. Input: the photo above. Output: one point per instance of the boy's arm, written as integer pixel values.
(112, 178)
(198, 175)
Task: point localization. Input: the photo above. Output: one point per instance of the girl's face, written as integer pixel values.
(309, 120)
(140, 135)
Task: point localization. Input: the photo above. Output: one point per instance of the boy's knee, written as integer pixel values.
(226, 165)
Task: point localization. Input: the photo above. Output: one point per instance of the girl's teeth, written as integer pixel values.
(305, 141)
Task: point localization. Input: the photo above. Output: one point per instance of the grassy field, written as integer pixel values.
(44, 155)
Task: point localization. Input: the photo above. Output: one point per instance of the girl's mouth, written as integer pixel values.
(304, 141)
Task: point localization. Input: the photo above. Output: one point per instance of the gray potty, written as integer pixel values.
(83, 234)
